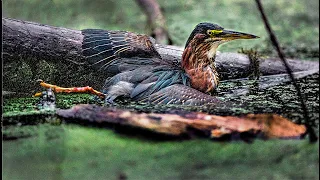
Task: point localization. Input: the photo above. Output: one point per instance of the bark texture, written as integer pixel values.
(210, 126)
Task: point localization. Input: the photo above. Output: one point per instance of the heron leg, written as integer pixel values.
(110, 99)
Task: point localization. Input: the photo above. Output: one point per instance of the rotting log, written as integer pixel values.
(34, 51)
(186, 124)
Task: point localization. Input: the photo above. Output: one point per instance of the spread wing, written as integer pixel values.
(107, 50)
(146, 80)
(133, 59)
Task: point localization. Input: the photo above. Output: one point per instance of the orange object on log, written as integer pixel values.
(212, 126)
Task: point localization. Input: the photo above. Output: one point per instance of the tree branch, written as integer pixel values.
(156, 20)
(312, 135)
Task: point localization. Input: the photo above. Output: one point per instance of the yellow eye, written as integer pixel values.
(214, 32)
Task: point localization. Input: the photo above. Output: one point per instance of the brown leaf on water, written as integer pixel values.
(211, 126)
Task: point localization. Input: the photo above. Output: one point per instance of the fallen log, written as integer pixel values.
(186, 124)
(34, 51)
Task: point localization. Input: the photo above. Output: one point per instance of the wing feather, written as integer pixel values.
(102, 48)
(181, 95)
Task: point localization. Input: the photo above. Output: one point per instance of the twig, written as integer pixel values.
(312, 135)
(156, 20)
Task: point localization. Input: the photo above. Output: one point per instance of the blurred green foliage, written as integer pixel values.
(76, 152)
(296, 22)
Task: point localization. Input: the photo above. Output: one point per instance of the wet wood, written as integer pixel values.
(186, 124)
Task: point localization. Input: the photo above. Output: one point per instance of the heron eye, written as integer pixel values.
(214, 32)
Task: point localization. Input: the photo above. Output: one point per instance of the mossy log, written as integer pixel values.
(278, 99)
(34, 51)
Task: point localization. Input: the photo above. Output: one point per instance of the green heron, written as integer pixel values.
(140, 73)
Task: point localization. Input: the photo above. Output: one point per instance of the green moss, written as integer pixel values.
(67, 101)
(29, 104)
(279, 99)
(254, 67)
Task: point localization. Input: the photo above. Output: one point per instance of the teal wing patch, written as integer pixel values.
(181, 95)
(158, 80)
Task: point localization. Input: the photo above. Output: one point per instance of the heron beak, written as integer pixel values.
(232, 35)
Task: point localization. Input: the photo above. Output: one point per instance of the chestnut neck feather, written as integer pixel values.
(198, 54)
(198, 62)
